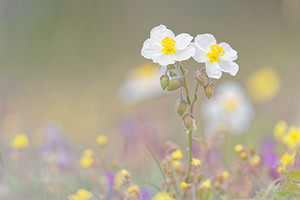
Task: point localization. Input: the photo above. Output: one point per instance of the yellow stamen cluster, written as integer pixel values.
(145, 71)
(230, 105)
(216, 51)
(169, 45)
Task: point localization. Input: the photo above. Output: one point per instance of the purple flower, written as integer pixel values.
(145, 194)
(54, 149)
(269, 158)
(110, 178)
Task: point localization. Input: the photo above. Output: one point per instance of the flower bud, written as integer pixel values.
(209, 89)
(174, 84)
(181, 107)
(172, 73)
(201, 78)
(189, 122)
(164, 81)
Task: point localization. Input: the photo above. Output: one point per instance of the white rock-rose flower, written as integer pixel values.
(229, 108)
(141, 83)
(218, 58)
(165, 49)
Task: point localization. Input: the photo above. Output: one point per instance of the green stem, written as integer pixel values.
(189, 158)
(185, 85)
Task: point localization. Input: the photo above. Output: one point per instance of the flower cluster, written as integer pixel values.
(164, 48)
(197, 184)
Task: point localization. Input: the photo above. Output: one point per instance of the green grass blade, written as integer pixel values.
(161, 171)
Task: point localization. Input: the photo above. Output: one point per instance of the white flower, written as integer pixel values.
(141, 83)
(164, 48)
(218, 58)
(230, 108)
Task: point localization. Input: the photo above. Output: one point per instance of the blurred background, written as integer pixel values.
(64, 62)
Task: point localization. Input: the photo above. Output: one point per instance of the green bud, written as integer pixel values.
(171, 67)
(189, 122)
(174, 84)
(164, 81)
(201, 78)
(209, 89)
(172, 73)
(181, 107)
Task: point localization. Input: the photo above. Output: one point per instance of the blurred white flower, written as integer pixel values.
(230, 108)
(141, 83)
(164, 48)
(218, 58)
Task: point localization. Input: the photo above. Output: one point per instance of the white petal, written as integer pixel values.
(212, 70)
(151, 50)
(183, 40)
(158, 33)
(200, 55)
(230, 67)
(164, 59)
(230, 54)
(204, 41)
(184, 54)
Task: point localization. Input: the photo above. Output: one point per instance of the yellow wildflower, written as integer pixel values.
(292, 139)
(238, 148)
(81, 194)
(184, 185)
(255, 160)
(87, 160)
(263, 84)
(176, 164)
(287, 159)
(281, 169)
(196, 162)
(243, 155)
(20, 141)
(206, 184)
(121, 177)
(88, 153)
(280, 129)
(162, 196)
(224, 175)
(177, 155)
(102, 140)
(132, 190)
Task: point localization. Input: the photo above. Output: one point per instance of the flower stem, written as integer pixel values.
(189, 158)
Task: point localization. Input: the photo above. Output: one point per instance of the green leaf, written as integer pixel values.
(294, 176)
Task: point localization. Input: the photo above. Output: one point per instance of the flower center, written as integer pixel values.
(216, 51)
(230, 105)
(169, 46)
(145, 71)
